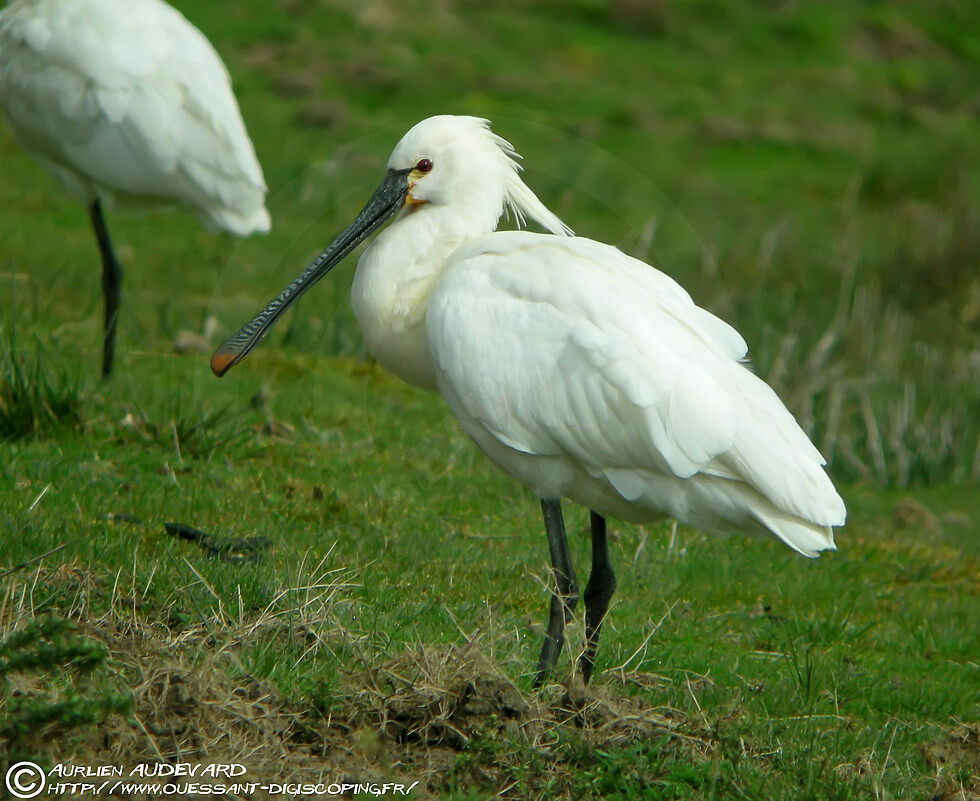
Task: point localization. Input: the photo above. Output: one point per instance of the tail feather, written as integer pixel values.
(240, 223)
(751, 511)
(801, 535)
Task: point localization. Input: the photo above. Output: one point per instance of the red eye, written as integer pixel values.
(424, 165)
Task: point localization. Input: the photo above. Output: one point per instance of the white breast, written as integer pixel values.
(390, 295)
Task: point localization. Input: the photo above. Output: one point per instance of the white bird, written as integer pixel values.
(125, 98)
(582, 372)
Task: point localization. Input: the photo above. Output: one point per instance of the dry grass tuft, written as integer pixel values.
(436, 697)
(188, 705)
(449, 696)
(959, 749)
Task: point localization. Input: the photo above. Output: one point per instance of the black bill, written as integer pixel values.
(386, 201)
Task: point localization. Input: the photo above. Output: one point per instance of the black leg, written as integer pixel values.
(111, 280)
(598, 592)
(566, 591)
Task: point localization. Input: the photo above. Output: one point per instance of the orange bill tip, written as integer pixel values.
(221, 362)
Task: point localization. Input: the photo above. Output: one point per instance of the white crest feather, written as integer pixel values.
(520, 200)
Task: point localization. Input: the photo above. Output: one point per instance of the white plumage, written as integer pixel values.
(584, 373)
(127, 99)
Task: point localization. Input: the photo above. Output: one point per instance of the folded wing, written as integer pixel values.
(585, 352)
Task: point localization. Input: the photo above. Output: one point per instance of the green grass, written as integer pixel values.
(35, 399)
(808, 171)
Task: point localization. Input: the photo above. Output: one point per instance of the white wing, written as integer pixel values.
(565, 346)
(127, 97)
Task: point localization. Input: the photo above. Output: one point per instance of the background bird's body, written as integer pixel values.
(125, 98)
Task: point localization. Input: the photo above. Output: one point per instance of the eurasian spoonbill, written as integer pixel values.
(125, 98)
(584, 373)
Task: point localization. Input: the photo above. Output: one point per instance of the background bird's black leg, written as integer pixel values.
(598, 592)
(566, 591)
(111, 281)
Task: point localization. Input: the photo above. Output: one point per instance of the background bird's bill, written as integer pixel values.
(387, 199)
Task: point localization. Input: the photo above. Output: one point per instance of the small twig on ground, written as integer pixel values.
(31, 561)
(231, 549)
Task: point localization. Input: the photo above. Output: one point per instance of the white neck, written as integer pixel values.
(395, 277)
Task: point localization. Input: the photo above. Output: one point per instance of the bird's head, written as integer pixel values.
(459, 163)
(455, 165)
(442, 156)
